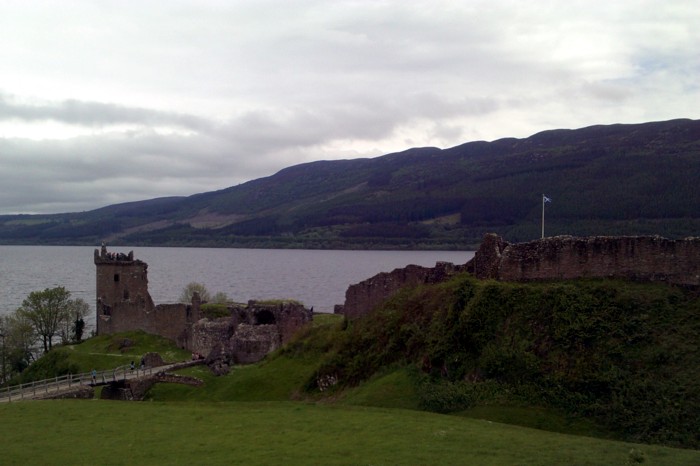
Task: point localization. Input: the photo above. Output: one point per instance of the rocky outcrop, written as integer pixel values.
(152, 360)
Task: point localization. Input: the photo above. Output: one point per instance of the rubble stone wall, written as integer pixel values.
(364, 296)
(639, 258)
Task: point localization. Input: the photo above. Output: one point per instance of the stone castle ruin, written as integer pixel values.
(250, 331)
(638, 258)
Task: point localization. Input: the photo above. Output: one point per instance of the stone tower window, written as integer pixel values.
(126, 295)
(116, 277)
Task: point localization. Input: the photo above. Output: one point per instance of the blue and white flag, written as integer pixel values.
(546, 199)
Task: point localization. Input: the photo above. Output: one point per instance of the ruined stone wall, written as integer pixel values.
(252, 342)
(206, 334)
(171, 320)
(364, 296)
(252, 331)
(121, 317)
(640, 258)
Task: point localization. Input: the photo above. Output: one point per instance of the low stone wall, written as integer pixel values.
(136, 389)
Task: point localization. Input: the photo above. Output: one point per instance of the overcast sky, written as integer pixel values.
(105, 102)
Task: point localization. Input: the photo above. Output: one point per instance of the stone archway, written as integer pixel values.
(265, 317)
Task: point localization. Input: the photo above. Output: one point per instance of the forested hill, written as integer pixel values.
(603, 180)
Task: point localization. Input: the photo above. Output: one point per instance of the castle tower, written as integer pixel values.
(122, 287)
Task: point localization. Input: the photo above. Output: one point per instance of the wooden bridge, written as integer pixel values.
(48, 388)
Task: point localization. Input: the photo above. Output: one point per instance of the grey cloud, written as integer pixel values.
(78, 112)
(248, 88)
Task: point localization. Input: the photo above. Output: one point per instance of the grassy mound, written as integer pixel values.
(101, 353)
(621, 354)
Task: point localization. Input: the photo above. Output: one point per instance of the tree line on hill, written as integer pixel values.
(617, 179)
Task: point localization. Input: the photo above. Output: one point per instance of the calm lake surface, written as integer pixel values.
(316, 278)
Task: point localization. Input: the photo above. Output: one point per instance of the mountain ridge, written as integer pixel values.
(423, 197)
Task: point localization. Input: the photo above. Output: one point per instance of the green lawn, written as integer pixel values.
(109, 351)
(113, 433)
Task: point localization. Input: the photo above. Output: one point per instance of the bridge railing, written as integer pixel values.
(56, 384)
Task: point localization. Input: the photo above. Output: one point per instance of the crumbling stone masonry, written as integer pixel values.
(247, 335)
(123, 301)
(367, 294)
(639, 258)
(251, 331)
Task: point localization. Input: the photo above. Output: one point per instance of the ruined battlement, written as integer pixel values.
(102, 256)
(367, 294)
(638, 258)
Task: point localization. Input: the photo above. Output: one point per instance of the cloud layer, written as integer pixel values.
(110, 102)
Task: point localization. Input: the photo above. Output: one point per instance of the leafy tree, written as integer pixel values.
(189, 291)
(220, 298)
(18, 343)
(78, 309)
(78, 330)
(47, 310)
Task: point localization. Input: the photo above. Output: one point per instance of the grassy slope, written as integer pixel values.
(97, 432)
(245, 417)
(622, 354)
(101, 353)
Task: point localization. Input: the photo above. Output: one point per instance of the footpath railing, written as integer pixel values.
(45, 387)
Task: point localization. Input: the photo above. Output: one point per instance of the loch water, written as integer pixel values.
(318, 278)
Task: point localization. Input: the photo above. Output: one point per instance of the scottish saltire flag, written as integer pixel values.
(546, 199)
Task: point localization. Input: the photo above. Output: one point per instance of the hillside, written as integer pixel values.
(623, 355)
(617, 179)
(598, 358)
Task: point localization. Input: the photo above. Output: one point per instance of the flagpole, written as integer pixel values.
(543, 198)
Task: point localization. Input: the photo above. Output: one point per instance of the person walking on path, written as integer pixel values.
(94, 376)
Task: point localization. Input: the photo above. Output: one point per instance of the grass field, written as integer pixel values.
(115, 433)
(246, 417)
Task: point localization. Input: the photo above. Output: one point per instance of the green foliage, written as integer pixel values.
(277, 302)
(444, 396)
(620, 353)
(214, 311)
(52, 364)
(220, 298)
(101, 353)
(52, 313)
(192, 288)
